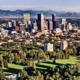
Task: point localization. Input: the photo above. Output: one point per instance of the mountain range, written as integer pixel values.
(33, 13)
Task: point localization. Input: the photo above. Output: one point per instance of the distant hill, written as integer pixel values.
(33, 13)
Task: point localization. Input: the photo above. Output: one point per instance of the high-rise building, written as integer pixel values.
(48, 47)
(34, 26)
(63, 45)
(64, 21)
(50, 25)
(41, 25)
(64, 24)
(30, 27)
(54, 20)
(46, 25)
(10, 24)
(15, 23)
(26, 19)
(69, 26)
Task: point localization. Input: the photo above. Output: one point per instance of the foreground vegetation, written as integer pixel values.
(17, 58)
(43, 65)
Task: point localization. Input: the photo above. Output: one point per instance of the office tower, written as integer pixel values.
(30, 27)
(15, 23)
(69, 26)
(64, 21)
(46, 25)
(41, 26)
(64, 24)
(54, 21)
(26, 19)
(34, 26)
(10, 24)
(50, 25)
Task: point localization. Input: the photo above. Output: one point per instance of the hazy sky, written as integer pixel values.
(59, 5)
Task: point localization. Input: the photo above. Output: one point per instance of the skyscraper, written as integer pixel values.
(64, 24)
(34, 26)
(41, 25)
(69, 26)
(54, 21)
(64, 21)
(26, 19)
(50, 25)
(10, 24)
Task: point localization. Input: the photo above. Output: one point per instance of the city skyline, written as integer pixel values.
(58, 5)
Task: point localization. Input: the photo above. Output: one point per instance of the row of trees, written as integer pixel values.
(64, 72)
(24, 53)
(2, 75)
(27, 54)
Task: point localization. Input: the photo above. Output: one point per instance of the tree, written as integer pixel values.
(23, 75)
(5, 63)
(10, 57)
(2, 76)
(70, 51)
(1, 61)
(1, 58)
(57, 75)
(17, 59)
(54, 60)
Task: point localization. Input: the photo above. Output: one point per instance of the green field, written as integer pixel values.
(49, 63)
(13, 68)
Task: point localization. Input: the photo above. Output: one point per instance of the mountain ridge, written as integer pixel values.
(47, 13)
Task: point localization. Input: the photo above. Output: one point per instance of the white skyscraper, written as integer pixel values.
(64, 21)
(26, 19)
(69, 27)
(9, 24)
(64, 24)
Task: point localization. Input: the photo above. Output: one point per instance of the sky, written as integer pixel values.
(58, 5)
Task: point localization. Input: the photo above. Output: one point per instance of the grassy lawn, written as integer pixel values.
(72, 60)
(49, 63)
(13, 68)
